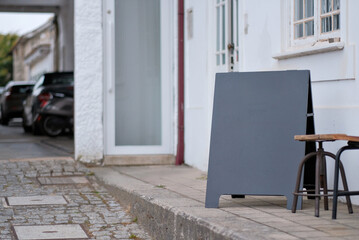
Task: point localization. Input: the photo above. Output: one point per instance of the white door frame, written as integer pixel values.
(167, 81)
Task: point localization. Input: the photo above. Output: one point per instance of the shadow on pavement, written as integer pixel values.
(16, 144)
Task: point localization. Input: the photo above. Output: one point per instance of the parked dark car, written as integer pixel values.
(49, 108)
(11, 100)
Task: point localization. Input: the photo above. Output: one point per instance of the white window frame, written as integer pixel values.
(318, 35)
(320, 43)
(234, 38)
(226, 33)
(167, 76)
(221, 32)
(305, 39)
(333, 33)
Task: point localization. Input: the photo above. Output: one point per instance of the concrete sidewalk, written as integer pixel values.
(169, 203)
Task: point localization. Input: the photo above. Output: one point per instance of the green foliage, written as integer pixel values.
(7, 41)
(133, 236)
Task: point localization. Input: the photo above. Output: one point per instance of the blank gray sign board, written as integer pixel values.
(255, 118)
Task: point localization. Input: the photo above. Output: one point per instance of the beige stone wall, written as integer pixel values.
(18, 63)
(25, 66)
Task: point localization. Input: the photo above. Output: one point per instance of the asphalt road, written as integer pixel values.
(16, 144)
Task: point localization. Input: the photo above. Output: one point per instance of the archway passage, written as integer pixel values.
(47, 48)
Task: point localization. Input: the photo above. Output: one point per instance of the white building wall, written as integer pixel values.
(44, 65)
(337, 101)
(197, 82)
(88, 81)
(334, 76)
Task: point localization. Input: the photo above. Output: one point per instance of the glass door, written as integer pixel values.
(138, 93)
(227, 35)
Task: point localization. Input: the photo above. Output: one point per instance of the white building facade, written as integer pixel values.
(51, 46)
(35, 52)
(126, 71)
(125, 81)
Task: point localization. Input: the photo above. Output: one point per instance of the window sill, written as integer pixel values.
(327, 47)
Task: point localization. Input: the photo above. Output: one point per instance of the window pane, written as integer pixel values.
(223, 58)
(326, 6)
(223, 27)
(336, 4)
(218, 59)
(326, 24)
(298, 9)
(298, 30)
(336, 24)
(237, 56)
(218, 30)
(309, 28)
(309, 8)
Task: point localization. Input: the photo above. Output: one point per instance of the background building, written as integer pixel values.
(36, 52)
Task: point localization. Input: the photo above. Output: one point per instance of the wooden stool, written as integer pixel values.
(320, 172)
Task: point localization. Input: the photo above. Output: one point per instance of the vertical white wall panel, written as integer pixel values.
(88, 81)
(197, 82)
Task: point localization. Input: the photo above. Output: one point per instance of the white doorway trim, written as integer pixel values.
(167, 81)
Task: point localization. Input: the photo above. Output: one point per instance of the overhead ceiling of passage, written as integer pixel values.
(31, 5)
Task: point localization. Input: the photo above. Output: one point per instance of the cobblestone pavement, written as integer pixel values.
(89, 205)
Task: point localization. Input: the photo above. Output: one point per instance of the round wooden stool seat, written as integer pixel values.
(326, 137)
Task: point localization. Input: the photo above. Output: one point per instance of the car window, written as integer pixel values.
(21, 88)
(59, 79)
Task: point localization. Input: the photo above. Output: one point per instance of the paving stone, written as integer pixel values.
(73, 231)
(87, 204)
(36, 200)
(62, 180)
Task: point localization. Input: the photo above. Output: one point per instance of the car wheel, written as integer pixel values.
(51, 127)
(4, 119)
(36, 130)
(27, 129)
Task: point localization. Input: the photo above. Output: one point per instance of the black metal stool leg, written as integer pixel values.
(336, 182)
(299, 176)
(339, 166)
(344, 180)
(317, 182)
(323, 178)
(345, 186)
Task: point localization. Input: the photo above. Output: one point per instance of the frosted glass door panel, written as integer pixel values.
(137, 73)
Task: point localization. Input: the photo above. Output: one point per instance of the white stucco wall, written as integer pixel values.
(197, 128)
(334, 75)
(337, 102)
(88, 81)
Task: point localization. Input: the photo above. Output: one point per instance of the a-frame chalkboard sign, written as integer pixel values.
(255, 118)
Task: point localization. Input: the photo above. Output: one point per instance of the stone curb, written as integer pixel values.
(168, 215)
